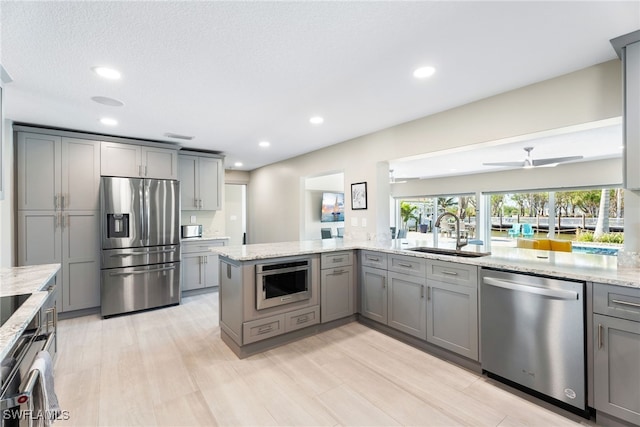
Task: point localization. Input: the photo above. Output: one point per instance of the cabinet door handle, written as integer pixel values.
(62, 201)
(145, 170)
(206, 259)
(300, 320)
(428, 293)
(401, 264)
(629, 303)
(450, 273)
(384, 282)
(421, 291)
(338, 271)
(55, 200)
(200, 203)
(600, 342)
(370, 258)
(337, 260)
(265, 329)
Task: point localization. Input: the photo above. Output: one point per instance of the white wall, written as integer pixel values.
(587, 95)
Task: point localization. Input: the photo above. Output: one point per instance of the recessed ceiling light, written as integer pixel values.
(107, 101)
(107, 73)
(316, 120)
(423, 72)
(108, 121)
(264, 144)
(237, 164)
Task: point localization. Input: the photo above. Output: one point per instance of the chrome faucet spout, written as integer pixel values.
(459, 242)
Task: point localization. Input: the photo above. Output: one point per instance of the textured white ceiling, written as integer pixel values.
(235, 73)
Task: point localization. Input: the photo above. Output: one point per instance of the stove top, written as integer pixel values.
(9, 305)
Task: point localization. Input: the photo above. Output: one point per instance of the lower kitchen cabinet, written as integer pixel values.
(373, 294)
(617, 352)
(199, 266)
(71, 239)
(337, 286)
(407, 304)
(452, 299)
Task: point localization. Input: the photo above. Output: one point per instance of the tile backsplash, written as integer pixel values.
(212, 221)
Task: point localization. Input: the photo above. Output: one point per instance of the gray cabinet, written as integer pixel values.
(373, 294)
(200, 266)
(407, 304)
(58, 182)
(131, 160)
(56, 173)
(616, 330)
(337, 286)
(452, 298)
(201, 182)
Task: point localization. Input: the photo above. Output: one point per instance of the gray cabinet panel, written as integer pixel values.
(617, 367)
(38, 173)
(407, 304)
(120, 159)
(192, 272)
(39, 238)
(81, 262)
(80, 171)
(373, 283)
(188, 179)
(160, 163)
(452, 322)
(201, 180)
(210, 176)
(336, 293)
(211, 268)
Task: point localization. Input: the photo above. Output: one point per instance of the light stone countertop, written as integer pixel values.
(18, 281)
(567, 265)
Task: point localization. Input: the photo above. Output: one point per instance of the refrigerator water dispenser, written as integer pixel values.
(117, 225)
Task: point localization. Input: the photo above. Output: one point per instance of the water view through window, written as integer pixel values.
(592, 220)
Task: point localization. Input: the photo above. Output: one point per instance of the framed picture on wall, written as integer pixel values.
(359, 195)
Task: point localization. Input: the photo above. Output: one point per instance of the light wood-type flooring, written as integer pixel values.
(169, 367)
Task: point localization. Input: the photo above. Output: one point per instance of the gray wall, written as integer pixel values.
(584, 96)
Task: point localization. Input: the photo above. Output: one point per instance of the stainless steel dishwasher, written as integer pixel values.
(533, 335)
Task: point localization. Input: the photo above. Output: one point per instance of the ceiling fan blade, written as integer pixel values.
(513, 164)
(549, 161)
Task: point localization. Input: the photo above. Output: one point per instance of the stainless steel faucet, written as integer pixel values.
(459, 242)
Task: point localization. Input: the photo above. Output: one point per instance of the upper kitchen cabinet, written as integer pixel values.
(628, 49)
(57, 173)
(133, 161)
(200, 181)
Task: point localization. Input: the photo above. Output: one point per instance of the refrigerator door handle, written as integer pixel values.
(155, 270)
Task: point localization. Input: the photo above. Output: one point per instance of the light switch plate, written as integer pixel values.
(354, 221)
(363, 222)
(193, 219)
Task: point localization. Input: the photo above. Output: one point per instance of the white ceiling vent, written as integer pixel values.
(177, 136)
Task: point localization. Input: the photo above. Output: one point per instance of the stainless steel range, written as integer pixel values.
(140, 244)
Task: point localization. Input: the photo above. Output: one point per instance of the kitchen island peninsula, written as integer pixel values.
(271, 294)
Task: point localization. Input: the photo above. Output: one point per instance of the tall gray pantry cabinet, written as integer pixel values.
(58, 180)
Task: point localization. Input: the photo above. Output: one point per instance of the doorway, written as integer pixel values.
(235, 203)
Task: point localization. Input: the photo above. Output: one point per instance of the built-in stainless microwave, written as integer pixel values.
(282, 283)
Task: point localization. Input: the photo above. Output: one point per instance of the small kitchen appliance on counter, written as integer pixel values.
(191, 231)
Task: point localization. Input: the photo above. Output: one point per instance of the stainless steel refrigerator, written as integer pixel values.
(140, 244)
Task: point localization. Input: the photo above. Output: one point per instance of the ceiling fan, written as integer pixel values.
(529, 162)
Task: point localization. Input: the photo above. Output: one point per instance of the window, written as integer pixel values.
(592, 219)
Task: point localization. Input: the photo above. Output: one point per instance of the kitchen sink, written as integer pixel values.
(451, 252)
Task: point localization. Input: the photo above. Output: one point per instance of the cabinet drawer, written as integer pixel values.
(301, 318)
(616, 301)
(336, 259)
(407, 265)
(451, 272)
(261, 329)
(191, 247)
(373, 259)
